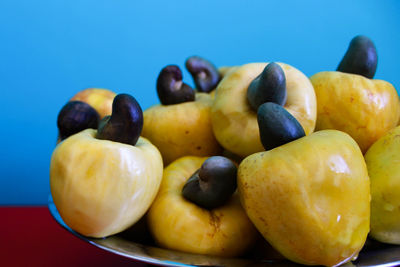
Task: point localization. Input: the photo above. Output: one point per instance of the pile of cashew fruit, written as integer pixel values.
(257, 151)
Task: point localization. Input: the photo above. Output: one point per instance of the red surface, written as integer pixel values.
(29, 236)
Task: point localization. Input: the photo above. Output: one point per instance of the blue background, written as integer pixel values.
(51, 49)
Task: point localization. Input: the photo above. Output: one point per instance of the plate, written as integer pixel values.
(138, 247)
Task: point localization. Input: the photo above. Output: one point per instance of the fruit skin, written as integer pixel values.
(100, 99)
(102, 187)
(179, 224)
(223, 71)
(226, 70)
(309, 198)
(182, 129)
(364, 108)
(382, 160)
(234, 122)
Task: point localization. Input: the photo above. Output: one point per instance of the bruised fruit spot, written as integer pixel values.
(215, 222)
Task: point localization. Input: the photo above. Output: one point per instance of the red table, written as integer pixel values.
(29, 236)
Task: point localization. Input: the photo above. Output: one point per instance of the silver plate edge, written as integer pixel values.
(388, 260)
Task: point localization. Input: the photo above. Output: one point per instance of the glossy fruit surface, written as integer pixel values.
(364, 108)
(102, 187)
(100, 99)
(309, 198)
(182, 129)
(179, 224)
(382, 160)
(235, 122)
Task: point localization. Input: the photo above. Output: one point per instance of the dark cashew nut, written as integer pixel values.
(205, 75)
(277, 126)
(125, 123)
(76, 116)
(269, 86)
(361, 57)
(170, 88)
(213, 184)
